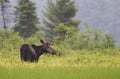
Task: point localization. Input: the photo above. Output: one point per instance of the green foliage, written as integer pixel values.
(26, 18)
(9, 42)
(59, 73)
(71, 38)
(91, 40)
(35, 39)
(109, 42)
(60, 11)
(64, 32)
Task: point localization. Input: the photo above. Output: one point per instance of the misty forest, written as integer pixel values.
(82, 52)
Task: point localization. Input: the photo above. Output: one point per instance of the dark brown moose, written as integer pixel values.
(31, 53)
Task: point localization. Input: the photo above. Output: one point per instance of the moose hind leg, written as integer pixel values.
(23, 58)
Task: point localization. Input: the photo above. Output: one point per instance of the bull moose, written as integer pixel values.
(31, 53)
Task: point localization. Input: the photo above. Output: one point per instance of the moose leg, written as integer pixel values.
(22, 56)
(28, 58)
(32, 59)
(36, 59)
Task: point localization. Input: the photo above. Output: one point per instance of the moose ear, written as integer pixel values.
(41, 41)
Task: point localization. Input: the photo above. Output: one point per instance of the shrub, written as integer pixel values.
(34, 39)
(78, 40)
(9, 41)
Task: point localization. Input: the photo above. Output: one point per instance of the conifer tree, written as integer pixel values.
(26, 18)
(60, 11)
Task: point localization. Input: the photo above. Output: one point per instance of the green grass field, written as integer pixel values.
(59, 73)
(72, 66)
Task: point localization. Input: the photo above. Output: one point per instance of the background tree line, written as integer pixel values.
(59, 26)
(27, 22)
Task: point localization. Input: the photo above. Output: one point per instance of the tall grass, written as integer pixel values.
(75, 65)
(75, 58)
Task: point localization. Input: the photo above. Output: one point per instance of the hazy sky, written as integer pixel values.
(99, 14)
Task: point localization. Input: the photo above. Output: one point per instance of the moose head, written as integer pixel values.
(45, 47)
